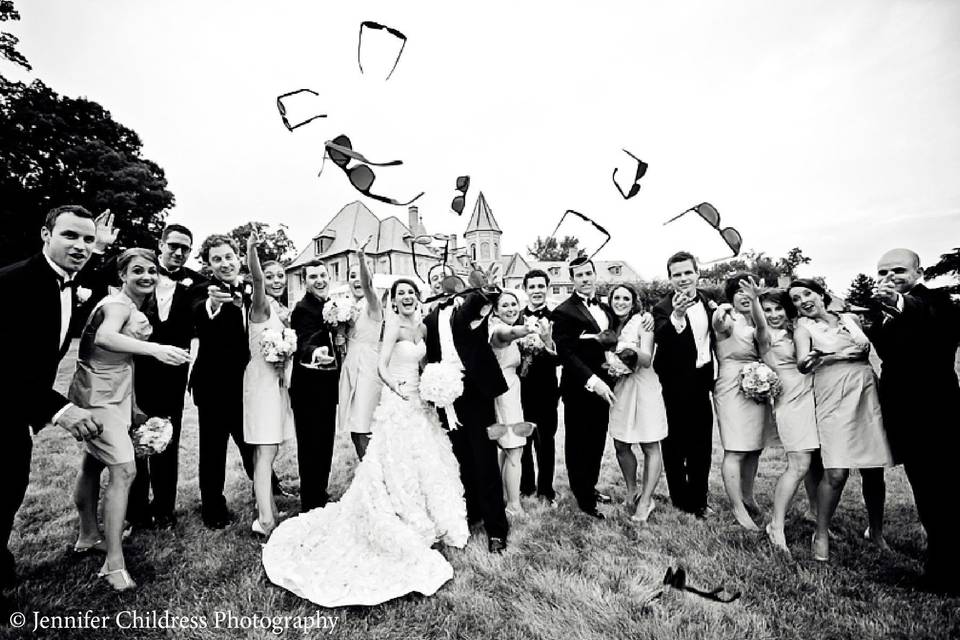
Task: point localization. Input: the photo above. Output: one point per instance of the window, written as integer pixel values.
(569, 288)
(615, 269)
(496, 250)
(317, 246)
(473, 251)
(556, 291)
(336, 270)
(484, 250)
(554, 271)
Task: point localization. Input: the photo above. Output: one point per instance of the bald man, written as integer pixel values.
(916, 336)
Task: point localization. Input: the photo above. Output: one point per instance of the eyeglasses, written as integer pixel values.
(463, 183)
(709, 213)
(176, 246)
(361, 176)
(283, 109)
(635, 188)
(368, 24)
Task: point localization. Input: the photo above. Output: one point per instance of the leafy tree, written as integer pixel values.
(949, 264)
(276, 245)
(789, 263)
(548, 249)
(861, 290)
(8, 41)
(60, 150)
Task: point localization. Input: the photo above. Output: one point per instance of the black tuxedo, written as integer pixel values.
(482, 382)
(313, 396)
(920, 399)
(686, 395)
(31, 332)
(585, 414)
(540, 394)
(160, 391)
(217, 386)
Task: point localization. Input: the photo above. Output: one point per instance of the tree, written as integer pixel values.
(59, 150)
(548, 249)
(8, 41)
(766, 269)
(861, 290)
(789, 263)
(949, 265)
(276, 245)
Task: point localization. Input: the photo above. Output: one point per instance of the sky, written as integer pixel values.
(825, 125)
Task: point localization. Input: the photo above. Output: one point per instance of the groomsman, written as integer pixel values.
(539, 394)
(916, 336)
(40, 297)
(458, 333)
(684, 364)
(217, 378)
(314, 388)
(160, 387)
(585, 387)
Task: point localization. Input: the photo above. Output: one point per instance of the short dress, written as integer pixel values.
(267, 415)
(848, 407)
(507, 405)
(360, 384)
(745, 425)
(103, 383)
(638, 415)
(794, 409)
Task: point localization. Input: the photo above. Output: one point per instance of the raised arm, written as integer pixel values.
(260, 306)
(723, 321)
(750, 287)
(366, 282)
(502, 334)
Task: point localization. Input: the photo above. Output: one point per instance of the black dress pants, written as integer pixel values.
(221, 418)
(541, 411)
(14, 476)
(585, 417)
(689, 443)
(314, 402)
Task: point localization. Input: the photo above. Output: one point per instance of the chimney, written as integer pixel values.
(413, 219)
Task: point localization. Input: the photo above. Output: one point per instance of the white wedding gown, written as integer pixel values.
(375, 543)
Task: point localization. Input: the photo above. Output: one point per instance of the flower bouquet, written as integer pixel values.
(530, 345)
(151, 437)
(614, 366)
(441, 383)
(759, 382)
(277, 347)
(339, 315)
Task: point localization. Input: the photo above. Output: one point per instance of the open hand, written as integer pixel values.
(750, 287)
(168, 354)
(603, 390)
(681, 303)
(359, 247)
(106, 233)
(886, 293)
(217, 296)
(646, 322)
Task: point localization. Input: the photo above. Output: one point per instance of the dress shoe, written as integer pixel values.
(165, 521)
(497, 545)
(218, 520)
(594, 513)
(602, 498)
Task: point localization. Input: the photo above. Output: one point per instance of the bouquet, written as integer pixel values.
(759, 382)
(530, 345)
(441, 383)
(340, 315)
(151, 437)
(615, 366)
(277, 347)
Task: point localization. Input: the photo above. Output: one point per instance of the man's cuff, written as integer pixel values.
(62, 411)
(679, 325)
(210, 312)
(592, 383)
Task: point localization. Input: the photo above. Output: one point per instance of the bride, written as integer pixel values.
(375, 543)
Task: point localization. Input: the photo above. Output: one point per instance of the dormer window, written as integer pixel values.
(554, 271)
(614, 269)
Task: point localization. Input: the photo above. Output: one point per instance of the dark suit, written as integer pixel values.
(30, 326)
(160, 391)
(585, 414)
(482, 382)
(217, 386)
(313, 396)
(920, 399)
(686, 394)
(539, 394)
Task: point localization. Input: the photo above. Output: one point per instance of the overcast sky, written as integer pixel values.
(826, 125)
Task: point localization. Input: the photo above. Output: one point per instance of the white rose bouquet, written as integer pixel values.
(759, 382)
(339, 315)
(278, 347)
(441, 383)
(151, 437)
(615, 366)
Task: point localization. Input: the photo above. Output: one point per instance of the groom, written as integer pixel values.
(43, 288)
(458, 333)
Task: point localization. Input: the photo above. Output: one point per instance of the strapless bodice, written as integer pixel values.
(405, 363)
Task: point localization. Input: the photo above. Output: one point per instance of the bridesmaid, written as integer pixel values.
(103, 383)
(638, 416)
(509, 411)
(359, 383)
(847, 408)
(267, 416)
(744, 423)
(794, 408)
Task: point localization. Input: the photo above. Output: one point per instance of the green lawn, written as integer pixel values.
(564, 576)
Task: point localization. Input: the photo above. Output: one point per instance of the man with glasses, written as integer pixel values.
(160, 387)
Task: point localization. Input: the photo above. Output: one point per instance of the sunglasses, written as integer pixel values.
(283, 109)
(586, 219)
(521, 429)
(635, 187)
(709, 213)
(361, 176)
(376, 26)
(176, 246)
(463, 183)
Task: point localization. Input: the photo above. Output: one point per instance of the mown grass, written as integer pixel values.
(563, 576)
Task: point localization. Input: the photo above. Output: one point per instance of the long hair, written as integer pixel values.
(637, 302)
(125, 258)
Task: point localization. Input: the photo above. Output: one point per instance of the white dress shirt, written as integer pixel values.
(166, 286)
(700, 325)
(66, 300)
(594, 309)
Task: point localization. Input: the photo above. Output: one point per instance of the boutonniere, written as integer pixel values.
(83, 294)
(712, 305)
(247, 289)
(187, 282)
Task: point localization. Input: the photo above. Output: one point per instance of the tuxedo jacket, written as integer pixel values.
(30, 329)
(482, 376)
(676, 361)
(223, 352)
(580, 358)
(540, 384)
(312, 332)
(159, 387)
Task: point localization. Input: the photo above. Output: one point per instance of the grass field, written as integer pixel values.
(563, 576)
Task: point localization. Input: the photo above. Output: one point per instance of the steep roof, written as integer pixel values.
(482, 217)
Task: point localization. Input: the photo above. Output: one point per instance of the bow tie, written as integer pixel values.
(589, 302)
(68, 284)
(542, 312)
(176, 276)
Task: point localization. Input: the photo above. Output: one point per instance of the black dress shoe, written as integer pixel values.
(165, 521)
(496, 545)
(602, 498)
(218, 520)
(594, 513)
(703, 513)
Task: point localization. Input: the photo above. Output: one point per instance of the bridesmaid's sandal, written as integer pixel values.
(820, 553)
(642, 516)
(258, 528)
(118, 579)
(83, 548)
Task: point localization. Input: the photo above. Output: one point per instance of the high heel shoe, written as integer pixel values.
(259, 529)
(127, 583)
(825, 557)
(643, 517)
